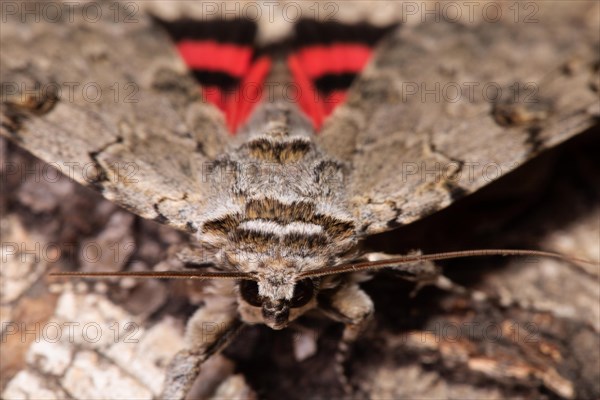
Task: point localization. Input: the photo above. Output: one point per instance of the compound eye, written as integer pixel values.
(303, 293)
(249, 292)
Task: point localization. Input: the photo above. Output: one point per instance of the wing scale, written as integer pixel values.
(127, 119)
(415, 146)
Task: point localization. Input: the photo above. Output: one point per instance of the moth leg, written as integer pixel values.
(424, 273)
(204, 337)
(352, 306)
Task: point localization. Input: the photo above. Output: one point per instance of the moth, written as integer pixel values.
(374, 138)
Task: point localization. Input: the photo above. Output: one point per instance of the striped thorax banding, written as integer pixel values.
(276, 228)
(284, 150)
(278, 200)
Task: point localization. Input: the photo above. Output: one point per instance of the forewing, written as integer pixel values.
(445, 108)
(110, 103)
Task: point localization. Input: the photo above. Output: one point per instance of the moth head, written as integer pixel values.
(276, 301)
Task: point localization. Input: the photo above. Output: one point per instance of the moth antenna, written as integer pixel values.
(193, 275)
(373, 265)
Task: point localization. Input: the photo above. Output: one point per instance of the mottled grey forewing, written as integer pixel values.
(110, 104)
(424, 125)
